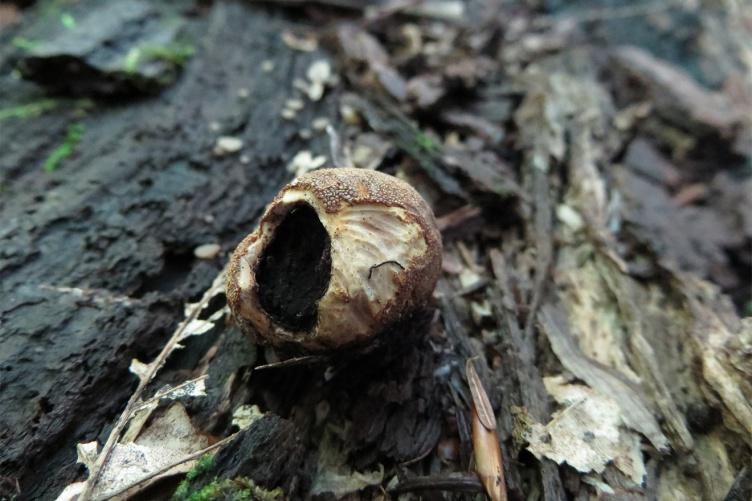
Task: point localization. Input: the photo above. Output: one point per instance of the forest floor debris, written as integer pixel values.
(590, 172)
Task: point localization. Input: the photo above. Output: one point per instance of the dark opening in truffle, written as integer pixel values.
(294, 270)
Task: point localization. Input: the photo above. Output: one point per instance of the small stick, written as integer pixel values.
(292, 362)
(370, 270)
(544, 246)
(153, 367)
(467, 482)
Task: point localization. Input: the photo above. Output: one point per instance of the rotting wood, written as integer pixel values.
(100, 251)
(121, 216)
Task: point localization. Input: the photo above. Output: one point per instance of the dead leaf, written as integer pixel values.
(480, 397)
(634, 412)
(167, 440)
(140, 369)
(334, 476)
(488, 462)
(588, 433)
(486, 449)
(196, 327)
(301, 42)
(142, 411)
(87, 453)
(245, 415)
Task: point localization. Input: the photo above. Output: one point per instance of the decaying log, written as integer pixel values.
(594, 214)
(97, 257)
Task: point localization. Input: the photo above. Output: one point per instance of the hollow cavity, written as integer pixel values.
(294, 270)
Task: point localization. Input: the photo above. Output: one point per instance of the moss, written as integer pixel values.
(72, 138)
(203, 465)
(182, 492)
(29, 110)
(239, 489)
(426, 142)
(24, 43)
(132, 59)
(175, 55)
(67, 20)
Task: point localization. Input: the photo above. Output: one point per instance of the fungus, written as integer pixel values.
(339, 256)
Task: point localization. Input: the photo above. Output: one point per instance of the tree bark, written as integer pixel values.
(97, 257)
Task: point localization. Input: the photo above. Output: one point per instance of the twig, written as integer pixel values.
(444, 10)
(340, 155)
(97, 296)
(153, 368)
(609, 13)
(292, 362)
(543, 243)
(161, 394)
(164, 469)
(506, 305)
(375, 266)
(468, 482)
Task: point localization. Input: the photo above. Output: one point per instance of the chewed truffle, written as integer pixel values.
(339, 255)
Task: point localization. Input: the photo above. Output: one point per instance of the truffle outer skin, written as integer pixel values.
(372, 219)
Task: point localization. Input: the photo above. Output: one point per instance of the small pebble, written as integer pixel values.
(207, 251)
(294, 104)
(305, 133)
(304, 161)
(320, 71)
(267, 66)
(227, 144)
(302, 43)
(349, 115)
(300, 84)
(361, 155)
(319, 124)
(570, 217)
(315, 91)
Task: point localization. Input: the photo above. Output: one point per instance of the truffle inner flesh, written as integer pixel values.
(294, 270)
